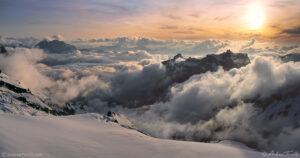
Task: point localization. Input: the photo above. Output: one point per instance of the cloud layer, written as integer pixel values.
(224, 105)
(250, 104)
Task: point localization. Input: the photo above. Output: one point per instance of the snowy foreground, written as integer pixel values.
(92, 135)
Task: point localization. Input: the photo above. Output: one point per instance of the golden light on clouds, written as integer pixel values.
(167, 19)
(255, 16)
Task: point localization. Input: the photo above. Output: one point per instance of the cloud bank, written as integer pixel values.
(255, 104)
(229, 105)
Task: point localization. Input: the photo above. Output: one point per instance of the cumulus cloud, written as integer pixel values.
(19, 66)
(208, 46)
(228, 105)
(55, 37)
(133, 55)
(22, 65)
(69, 76)
(66, 90)
(249, 44)
(18, 42)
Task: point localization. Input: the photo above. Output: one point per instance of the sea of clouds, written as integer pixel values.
(123, 73)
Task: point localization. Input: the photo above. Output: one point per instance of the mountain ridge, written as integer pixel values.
(55, 46)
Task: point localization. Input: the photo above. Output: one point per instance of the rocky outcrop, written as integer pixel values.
(291, 57)
(181, 69)
(16, 99)
(55, 46)
(2, 50)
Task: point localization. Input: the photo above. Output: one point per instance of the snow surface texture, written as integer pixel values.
(91, 135)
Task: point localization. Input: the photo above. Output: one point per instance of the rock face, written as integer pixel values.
(181, 69)
(55, 46)
(18, 100)
(291, 57)
(2, 50)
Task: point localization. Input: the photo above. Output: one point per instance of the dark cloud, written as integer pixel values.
(168, 27)
(194, 29)
(194, 15)
(173, 17)
(184, 32)
(141, 88)
(221, 18)
(293, 31)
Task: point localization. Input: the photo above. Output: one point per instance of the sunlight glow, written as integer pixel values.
(255, 16)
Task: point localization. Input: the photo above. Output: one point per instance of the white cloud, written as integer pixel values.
(252, 42)
(211, 105)
(22, 42)
(55, 37)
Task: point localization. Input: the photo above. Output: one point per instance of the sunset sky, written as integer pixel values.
(164, 19)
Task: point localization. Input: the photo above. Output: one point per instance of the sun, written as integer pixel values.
(255, 16)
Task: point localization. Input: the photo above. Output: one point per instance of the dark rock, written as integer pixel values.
(109, 113)
(2, 50)
(55, 46)
(13, 87)
(291, 57)
(180, 71)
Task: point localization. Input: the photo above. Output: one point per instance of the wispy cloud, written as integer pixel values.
(169, 27)
(293, 31)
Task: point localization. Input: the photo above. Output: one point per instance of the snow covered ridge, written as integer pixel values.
(90, 135)
(18, 100)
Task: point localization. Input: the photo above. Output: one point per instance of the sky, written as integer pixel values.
(164, 19)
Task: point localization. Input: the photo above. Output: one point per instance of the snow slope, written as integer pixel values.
(92, 135)
(16, 99)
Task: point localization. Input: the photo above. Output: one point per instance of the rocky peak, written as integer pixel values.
(183, 70)
(178, 56)
(55, 46)
(291, 57)
(2, 50)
